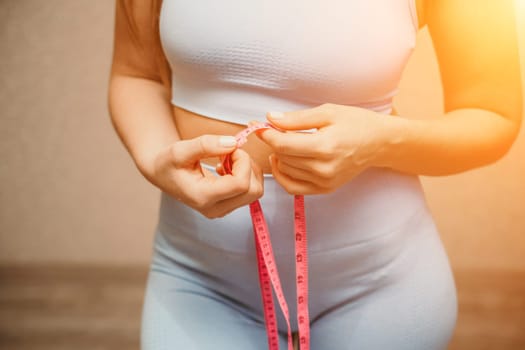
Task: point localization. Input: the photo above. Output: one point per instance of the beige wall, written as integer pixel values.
(69, 191)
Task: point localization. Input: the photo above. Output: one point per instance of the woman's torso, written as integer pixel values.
(233, 61)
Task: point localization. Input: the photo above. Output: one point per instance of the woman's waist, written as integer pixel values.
(376, 203)
(191, 125)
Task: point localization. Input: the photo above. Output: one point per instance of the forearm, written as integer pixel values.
(460, 140)
(142, 117)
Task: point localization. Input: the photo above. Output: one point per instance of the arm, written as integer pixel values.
(477, 49)
(138, 100)
(142, 116)
(476, 46)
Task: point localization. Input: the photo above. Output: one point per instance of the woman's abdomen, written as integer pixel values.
(191, 125)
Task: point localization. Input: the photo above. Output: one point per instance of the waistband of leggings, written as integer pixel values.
(212, 169)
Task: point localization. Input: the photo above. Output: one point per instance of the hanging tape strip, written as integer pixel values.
(268, 274)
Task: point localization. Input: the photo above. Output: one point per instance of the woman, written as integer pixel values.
(186, 76)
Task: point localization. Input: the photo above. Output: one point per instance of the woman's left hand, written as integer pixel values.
(347, 141)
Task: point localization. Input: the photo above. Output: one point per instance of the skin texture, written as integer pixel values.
(477, 52)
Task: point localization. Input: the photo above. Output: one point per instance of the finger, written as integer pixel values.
(219, 168)
(321, 168)
(295, 187)
(256, 191)
(305, 163)
(241, 164)
(229, 185)
(312, 118)
(187, 152)
(296, 173)
(257, 171)
(292, 143)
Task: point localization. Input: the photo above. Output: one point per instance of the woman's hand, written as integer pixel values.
(176, 170)
(347, 141)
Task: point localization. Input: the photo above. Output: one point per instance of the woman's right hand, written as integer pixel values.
(176, 170)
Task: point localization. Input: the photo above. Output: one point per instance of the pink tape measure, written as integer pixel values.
(268, 274)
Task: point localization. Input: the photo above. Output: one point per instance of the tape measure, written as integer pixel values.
(268, 274)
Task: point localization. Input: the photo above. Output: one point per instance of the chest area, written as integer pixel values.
(342, 46)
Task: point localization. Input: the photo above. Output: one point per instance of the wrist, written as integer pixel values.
(393, 137)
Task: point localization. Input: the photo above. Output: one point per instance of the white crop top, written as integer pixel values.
(235, 60)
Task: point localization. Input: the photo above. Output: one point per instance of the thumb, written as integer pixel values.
(299, 120)
(205, 146)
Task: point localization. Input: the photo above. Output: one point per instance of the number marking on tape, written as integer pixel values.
(268, 274)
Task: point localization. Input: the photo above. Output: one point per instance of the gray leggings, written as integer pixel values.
(379, 276)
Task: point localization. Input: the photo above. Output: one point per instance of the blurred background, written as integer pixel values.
(77, 219)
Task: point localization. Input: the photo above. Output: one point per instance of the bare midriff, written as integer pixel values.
(191, 125)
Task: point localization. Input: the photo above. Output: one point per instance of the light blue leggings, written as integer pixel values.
(379, 276)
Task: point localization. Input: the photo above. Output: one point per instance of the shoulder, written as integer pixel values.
(136, 48)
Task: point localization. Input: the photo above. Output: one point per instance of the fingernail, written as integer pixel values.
(276, 115)
(227, 141)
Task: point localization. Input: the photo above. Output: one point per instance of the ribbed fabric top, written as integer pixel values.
(235, 60)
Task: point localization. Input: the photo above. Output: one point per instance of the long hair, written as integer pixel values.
(130, 8)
